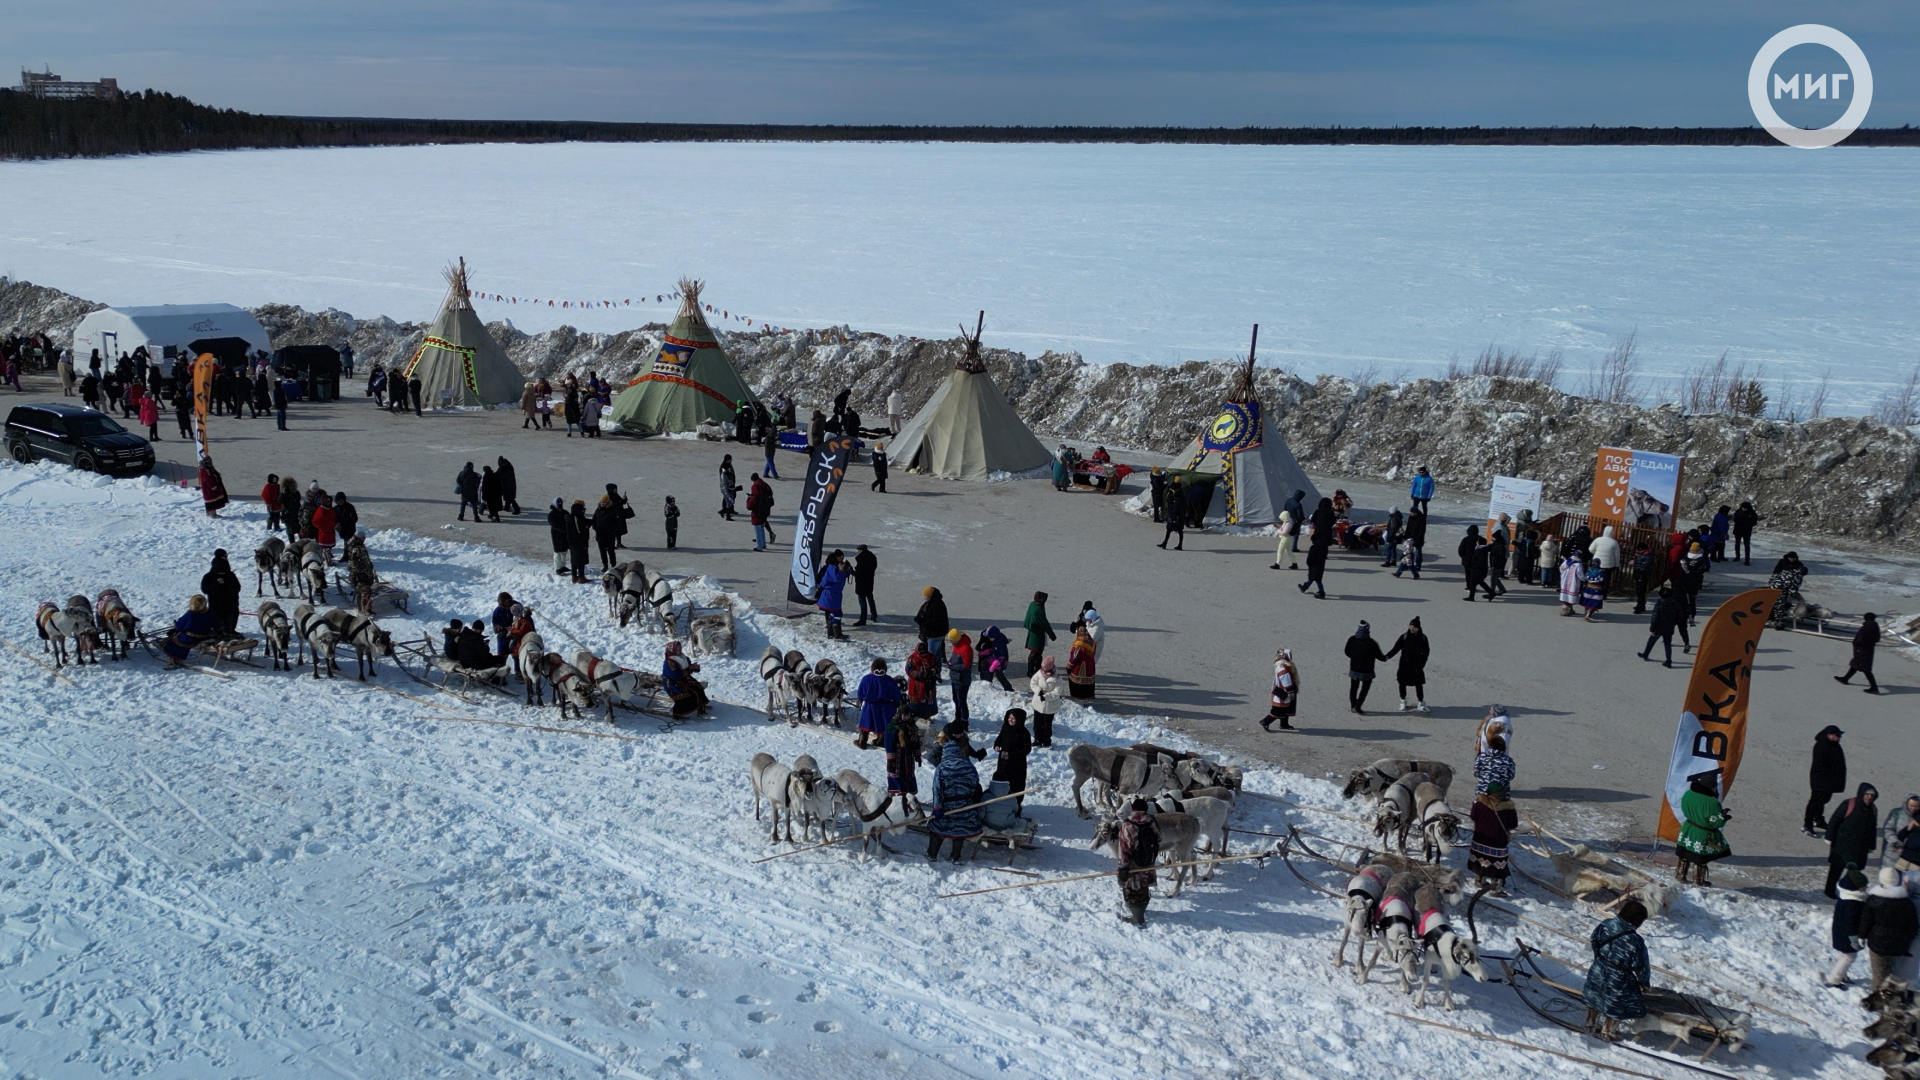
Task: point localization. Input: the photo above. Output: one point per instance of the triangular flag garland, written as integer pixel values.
(658, 298)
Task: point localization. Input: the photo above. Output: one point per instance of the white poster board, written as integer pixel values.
(1512, 495)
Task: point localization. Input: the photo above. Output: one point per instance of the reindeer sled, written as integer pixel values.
(1003, 826)
(1687, 1022)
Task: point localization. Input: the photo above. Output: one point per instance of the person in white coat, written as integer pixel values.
(1606, 553)
(1287, 529)
(896, 411)
(1045, 688)
(1096, 628)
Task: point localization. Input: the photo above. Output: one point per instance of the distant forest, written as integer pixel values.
(152, 122)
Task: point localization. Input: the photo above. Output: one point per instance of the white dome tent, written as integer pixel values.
(117, 332)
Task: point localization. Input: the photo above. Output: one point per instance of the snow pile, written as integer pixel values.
(227, 876)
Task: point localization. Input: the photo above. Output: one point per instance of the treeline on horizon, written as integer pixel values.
(153, 122)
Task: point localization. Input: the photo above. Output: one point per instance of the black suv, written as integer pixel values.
(82, 438)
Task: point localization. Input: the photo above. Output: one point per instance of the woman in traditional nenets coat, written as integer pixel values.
(1494, 820)
(956, 788)
(1620, 971)
(1701, 820)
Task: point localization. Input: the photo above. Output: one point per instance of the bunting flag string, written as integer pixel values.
(658, 298)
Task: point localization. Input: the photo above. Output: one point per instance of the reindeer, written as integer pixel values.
(266, 565)
(570, 687)
(1394, 816)
(1212, 815)
(875, 810)
(826, 687)
(1444, 954)
(314, 632)
(1439, 825)
(631, 598)
(777, 670)
(660, 599)
(810, 796)
(712, 635)
(530, 654)
(1393, 926)
(611, 681)
(118, 624)
(360, 631)
(1376, 778)
(313, 574)
(769, 780)
(1364, 891)
(1178, 835)
(57, 624)
(1115, 771)
(277, 629)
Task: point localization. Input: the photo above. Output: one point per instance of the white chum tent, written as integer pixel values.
(968, 430)
(1252, 471)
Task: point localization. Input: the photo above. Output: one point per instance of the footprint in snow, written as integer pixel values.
(825, 1027)
(763, 1017)
(749, 999)
(751, 1052)
(691, 993)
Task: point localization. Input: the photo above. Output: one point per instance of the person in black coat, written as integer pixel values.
(1670, 614)
(579, 537)
(279, 405)
(222, 588)
(1827, 778)
(1744, 519)
(625, 506)
(413, 391)
(467, 486)
(606, 527)
(489, 494)
(1176, 515)
(864, 567)
(1865, 640)
(879, 470)
(1888, 923)
(1322, 523)
(509, 485)
(1416, 541)
(559, 531)
(932, 624)
(1362, 653)
(1852, 833)
(346, 517)
(1013, 743)
(471, 649)
(1413, 648)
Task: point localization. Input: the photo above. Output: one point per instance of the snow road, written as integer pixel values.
(272, 875)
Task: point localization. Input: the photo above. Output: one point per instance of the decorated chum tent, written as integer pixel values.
(691, 379)
(459, 363)
(968, 430)
(1245, 460)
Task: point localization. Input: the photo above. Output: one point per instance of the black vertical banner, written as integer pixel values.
(826, 468)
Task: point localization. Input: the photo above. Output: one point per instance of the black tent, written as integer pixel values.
(317, 367)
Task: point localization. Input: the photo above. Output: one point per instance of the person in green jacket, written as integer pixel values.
(1039, 632)
(1701, 820)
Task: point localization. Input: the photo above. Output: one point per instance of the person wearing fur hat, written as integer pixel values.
(956, 788)
(878, 695)
(1413, 648)
(1362, 653)
(1620, 970)
(1081, 666)
(1888, 923)
(1846, 924)
(1138, 847)
(1013, 744)
(1702, 821)
(1044, 685)
(1284, 699)
(1494, 819)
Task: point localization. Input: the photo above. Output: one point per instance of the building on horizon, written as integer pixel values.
(45, 84)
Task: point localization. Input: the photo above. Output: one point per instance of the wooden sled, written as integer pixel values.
(239, 650)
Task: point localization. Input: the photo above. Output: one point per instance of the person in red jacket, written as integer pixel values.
(323, 526)
(213, 490)
(270, 498)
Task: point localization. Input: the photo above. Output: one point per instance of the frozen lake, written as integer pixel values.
(1348, 257)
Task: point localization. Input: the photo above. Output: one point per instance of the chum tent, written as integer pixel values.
(459, 364)
(218, 328)
(968, 430)
(1241, 453)
(691, 379)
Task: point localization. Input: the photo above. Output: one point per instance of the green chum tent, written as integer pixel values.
(459, 364)
(691, 379)
(968, 430)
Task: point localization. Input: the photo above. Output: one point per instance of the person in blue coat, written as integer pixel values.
(833, 585)
(1620, 970)
(879, 697)
(956, 788)
(189, 630)
(1421, 490)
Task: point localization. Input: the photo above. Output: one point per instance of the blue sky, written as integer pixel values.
(1197, 62)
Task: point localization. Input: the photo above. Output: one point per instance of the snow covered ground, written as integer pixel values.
(269, 875)
(1348, 257)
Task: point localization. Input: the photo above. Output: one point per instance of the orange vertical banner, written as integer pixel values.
(1713, 715)
(1612, 469)
(203, 369)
